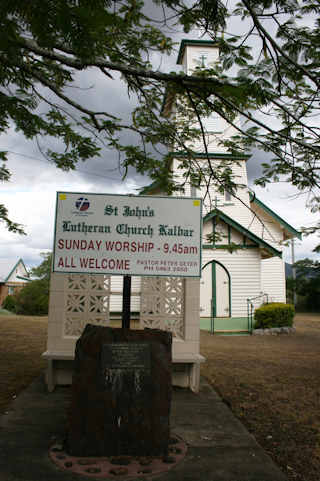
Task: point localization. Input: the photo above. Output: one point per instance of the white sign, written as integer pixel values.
(133, 235)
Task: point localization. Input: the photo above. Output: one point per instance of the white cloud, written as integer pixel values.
(30, 198)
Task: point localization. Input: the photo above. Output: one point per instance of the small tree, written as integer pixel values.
(308, 284)
(43, 271)
(33, 299)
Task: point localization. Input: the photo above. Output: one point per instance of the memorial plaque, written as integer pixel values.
(121, 393)
(122, 355)
(126, 366)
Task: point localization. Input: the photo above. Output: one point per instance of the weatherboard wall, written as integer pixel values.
(245, 273)
(116, 293)
(269, 277)
(214, 128)
(237, 207)
(273, 279)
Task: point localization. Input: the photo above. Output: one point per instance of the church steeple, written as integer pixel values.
(195, 54)
(198, 54)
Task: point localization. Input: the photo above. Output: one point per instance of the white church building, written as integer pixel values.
(243, 267)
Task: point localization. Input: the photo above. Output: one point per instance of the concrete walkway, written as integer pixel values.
(219, 447)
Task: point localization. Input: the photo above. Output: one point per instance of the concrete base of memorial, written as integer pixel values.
(114, 466)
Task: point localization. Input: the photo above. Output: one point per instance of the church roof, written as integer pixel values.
(290, 231)
(250, 235)
(214, 155)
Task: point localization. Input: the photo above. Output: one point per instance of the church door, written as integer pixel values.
(222, 296)
(215, 291)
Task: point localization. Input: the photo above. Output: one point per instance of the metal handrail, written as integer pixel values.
(250, 308)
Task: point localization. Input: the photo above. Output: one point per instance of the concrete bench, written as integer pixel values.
(185, 369)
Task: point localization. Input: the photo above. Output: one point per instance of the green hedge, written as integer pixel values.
(275, 314)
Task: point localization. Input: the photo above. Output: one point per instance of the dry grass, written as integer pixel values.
(272, 383)
(22, 341)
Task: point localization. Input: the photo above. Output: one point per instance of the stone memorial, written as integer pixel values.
(121, 393)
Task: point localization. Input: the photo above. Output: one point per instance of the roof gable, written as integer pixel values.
(216, 213)
(291, 231)
(8, 267)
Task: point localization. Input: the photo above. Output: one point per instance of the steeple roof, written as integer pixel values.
(198, 43)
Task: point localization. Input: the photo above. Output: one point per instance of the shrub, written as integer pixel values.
(33, 298)
(9, 303)
(275, 314)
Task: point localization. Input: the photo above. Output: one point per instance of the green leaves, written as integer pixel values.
(43, 270)
(11, 226)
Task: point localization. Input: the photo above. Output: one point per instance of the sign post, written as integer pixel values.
(127, 235)
(126, 302)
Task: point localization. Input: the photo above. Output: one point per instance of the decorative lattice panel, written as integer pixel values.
(86, 300)
(162, 304)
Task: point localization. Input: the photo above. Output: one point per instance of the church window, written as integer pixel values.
(227, 196)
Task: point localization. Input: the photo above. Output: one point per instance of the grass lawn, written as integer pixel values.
(271, 383)
(22, 341)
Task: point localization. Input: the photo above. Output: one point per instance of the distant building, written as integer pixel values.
(13, 277)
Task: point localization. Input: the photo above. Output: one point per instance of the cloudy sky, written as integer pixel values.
(31, 193)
